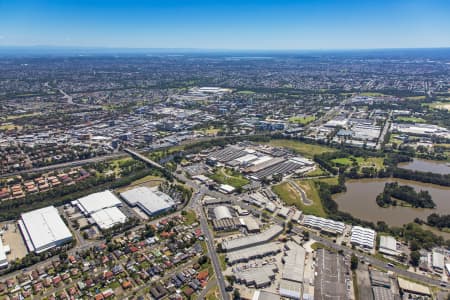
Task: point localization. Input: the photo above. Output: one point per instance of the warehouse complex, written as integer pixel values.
(259, 162)
(43, 229)
(291, 284)
(102, 208)
(252, 240)
(247, 254)
(324, 225)
(151, 202)
(97, 201)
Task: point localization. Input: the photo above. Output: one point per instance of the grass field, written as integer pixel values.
(302, 120)
(227, 176)
(317, 172)
(440, 105)
(290, 196)
(246, 92)
(308, 150)
(376, 162)
(208, 131)
(191, 217)
(344, 161)
(329, 180)
(148, 181)
(213, 294)
(9, 126)
(415, 98)
(372, 94)
(410, 119)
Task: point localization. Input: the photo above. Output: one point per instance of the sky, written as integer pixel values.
(231, 24)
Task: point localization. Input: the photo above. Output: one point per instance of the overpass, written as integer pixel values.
(144, 159)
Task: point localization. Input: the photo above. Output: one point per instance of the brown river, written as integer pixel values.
(359, 200)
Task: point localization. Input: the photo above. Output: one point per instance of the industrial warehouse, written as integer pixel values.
(247, 254)
(363, 237)
(151, 202)
(102, 209)
(252, 240)
(43, 229)
(258, 162)
(324, 225)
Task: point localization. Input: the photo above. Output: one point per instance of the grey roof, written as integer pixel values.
(222, 212)
(251, 240)
(294, 262)
(150, 201)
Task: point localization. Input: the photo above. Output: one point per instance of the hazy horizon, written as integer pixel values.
(227, 25)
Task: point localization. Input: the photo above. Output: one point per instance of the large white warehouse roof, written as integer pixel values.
(151, 202)
(222, 212)
(44, 229)
(108, 217)
(97, 201)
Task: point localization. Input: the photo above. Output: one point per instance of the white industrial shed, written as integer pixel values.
(364, 237)
(43, 229)
(97, 201)
(388, 245)
(3, 260)
(151, 202)
(222, 212)
(108, 217)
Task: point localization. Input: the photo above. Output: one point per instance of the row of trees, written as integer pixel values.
(440, 221)
(426, 177)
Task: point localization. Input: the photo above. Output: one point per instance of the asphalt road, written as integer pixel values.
(302, 193)
(213, 255)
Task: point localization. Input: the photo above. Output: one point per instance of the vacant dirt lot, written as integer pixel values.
(13, 238)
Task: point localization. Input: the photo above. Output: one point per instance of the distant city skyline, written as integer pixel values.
(252, 25)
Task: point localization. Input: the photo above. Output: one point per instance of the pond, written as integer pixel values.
(359, 200)
(425, 165)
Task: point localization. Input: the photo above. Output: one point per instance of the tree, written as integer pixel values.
(306, 235)
(236, 294)
(415, 258)
(203, 260)
(289, 226)
(354, 262)
(414, 245)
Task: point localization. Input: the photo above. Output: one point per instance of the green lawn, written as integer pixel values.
(372, 94)
(410, 119)
(223, 263)
(438, 105)
(227, 176)
(317, 172)
(308, 150)
(415, 98)
(290, 196)
(329, 180)
(302, 120)
(246, 92)
(376, 162)
(343, 161)
(191, 217)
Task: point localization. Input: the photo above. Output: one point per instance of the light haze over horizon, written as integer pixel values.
(256, 25)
